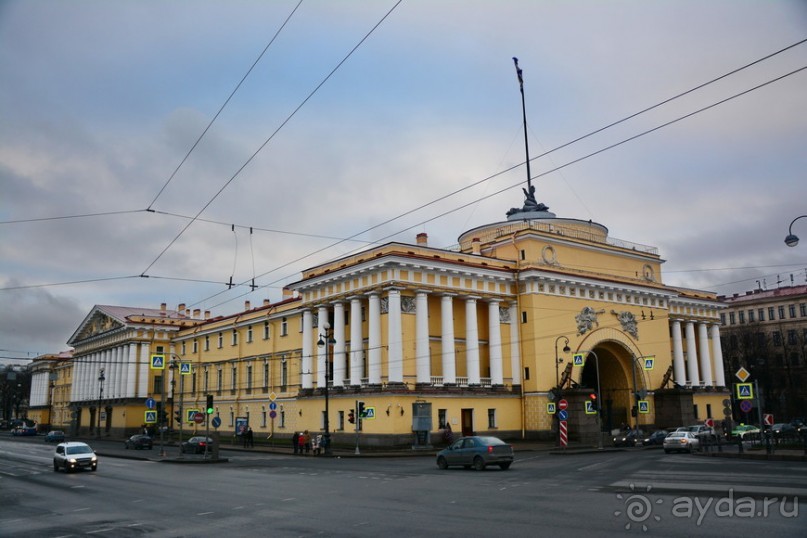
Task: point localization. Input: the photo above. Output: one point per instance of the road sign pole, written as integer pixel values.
(356, 412)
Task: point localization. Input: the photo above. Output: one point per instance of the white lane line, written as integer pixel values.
(205, 513)
(100, 530)
(80, 509)
(288, 499)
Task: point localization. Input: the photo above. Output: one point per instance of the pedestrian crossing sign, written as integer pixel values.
(550, 408)
(369, 412)
(151, 417)
(649, 362)
(745, 391)
(184, 368)
(644, 406)
(590, 409)
(158, 362)
(578, 359)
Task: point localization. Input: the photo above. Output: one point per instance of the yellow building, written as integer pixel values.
(48, 395)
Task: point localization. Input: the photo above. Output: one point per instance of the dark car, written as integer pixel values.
(655, 438)
(54, 436)
(74, 456)
(138, 442)
(782, 429)
(477, 451)
(197, 444)
(24, 430)
(628, 438)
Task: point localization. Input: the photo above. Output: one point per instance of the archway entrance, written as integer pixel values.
(619, 379)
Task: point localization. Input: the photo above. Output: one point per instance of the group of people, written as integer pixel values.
(248, 437)
(304, 443)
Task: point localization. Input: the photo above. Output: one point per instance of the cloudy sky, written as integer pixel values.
(356, 112)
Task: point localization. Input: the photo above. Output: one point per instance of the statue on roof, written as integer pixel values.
(531, 205)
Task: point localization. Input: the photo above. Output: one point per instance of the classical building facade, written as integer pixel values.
(486, 336)
(765, 332)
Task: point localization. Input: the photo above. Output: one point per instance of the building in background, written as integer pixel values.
(765, 331)
(47, 396)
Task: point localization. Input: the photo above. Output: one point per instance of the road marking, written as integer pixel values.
(76, 487)
(289, 499)
(80, 509)
(100, 530)
(205, 513)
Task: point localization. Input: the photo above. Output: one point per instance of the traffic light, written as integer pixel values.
(163, 417)
(593, 399)
(351, 417)
(178, 416)
(209, 407)
(360, 407)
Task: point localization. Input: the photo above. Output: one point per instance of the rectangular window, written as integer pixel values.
(249, 334)
(791, 311)
(751, 316)
(792, 339)
(695, 410)
(777, 339)
(195, 346)
(722, 318)
(235, 337)
(781, 312)
(284, 374)
(266, 330)
(207, 379)
(183, 352)
(771, 313)
(249, 377)
(491, 419)
(523, 254)
(220, 340)
(761, 313)
(263, 418)
(207, 342)
(234, 378)
(761, 339)
(158, 384)
(232, 419)
(732, 320)
(803, 310)
(219, 380)
(340, 417)
(441, 418)
(284, 327)
(523, 317)
(265, 374)
(742, 316)
(193, 382)
(708, 410)
(282, 423)
(527, 373)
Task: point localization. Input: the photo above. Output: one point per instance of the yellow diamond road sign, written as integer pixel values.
(742, 374)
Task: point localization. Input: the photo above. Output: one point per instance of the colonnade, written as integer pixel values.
(349, 367)
(126, 374)
(704, 354)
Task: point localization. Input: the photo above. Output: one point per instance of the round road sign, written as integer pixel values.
(745, 406)
(563, 414)
(199, 418)
(563, 404)
(272, 414)
(150, 403)
(216, 422)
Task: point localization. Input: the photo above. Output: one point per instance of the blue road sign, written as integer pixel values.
(185, 368)
(644, 406)
(151, 417)
(272, 414)
(150, 403)
(158, 362)
(578, 359)
(272, 406)
(216, 422)
(563, 414)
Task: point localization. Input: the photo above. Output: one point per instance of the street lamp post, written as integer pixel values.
(326, 341)
(558, 360)
(792, 240)
(175, 364)
(101, 380)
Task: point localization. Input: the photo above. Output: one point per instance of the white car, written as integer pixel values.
(681, 442)
(73, 456)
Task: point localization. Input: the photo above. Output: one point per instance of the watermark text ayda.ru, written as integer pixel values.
(641, 511)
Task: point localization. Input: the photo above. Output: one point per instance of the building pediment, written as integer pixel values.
(94, 325)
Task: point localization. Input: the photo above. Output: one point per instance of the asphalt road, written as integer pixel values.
(597, 494)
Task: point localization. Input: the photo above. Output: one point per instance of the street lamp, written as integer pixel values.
(326, 341)
(174, 365)
(558, 360)
(792, 240)
(101, 380)
(599, 400)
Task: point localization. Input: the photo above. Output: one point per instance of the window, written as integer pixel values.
(249, 334)
(219, 380)
(284, 327)
(282, 423)
(792, 339)
(803, 310)
(708, 410)
(781, 312)
(195, 345)
(265, 374)
(235, 337)
(207, 342)
(193, 382)
(751, 316)
(695, 410)
(266, 330)
(263, 418)
(722, 318)
(184, 350)
(761, 339)
(284, 374)
(742, 316)
(732, 320)
(491, 419)
(527, 374)
(441, 418)
(792, 310)
(771, 313)
(232, 418)
(777, 339)
(249, 377)
(207, 379)
(158, 384)
(523, 317)
(523, 255)
(761, 313)
(340, 417)
(220, 340)
(234, 378)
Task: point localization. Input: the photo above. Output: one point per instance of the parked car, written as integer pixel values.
(24, 430)
(681, 442)
(54, 436)
(138, 442)
(72, 456)
(478, 451)
(703, 433)
(197, 444)
(655, 438)
(628, 438)
(781, 429)
(744, 429)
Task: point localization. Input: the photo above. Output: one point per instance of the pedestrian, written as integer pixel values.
(316, 445)
(301, 442)
(294, 442)
(250, 437)
(448, 435)
(307, 444)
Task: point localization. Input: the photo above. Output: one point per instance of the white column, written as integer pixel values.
(447, 329)
(143, 389)
(131, 371)
(423, 360)
(703, 352)
(395, 355)
(692, 355)
(82, 378)
(495, 344)
(306, 371)
(339, 359)
(74, 385)
(515, 351)
(717, 356)
(114, 364)
(356, 343)
(374, 340)
(679, 370)
(322, 370)
(472, 342)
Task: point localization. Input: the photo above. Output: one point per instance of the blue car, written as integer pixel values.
(477, 451)
(54, 436)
